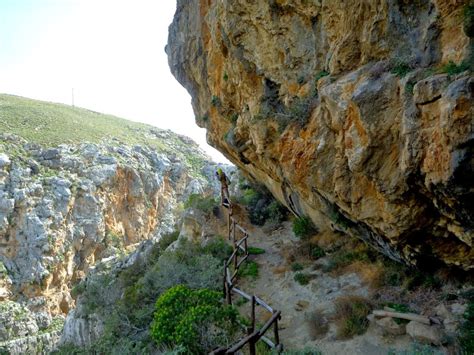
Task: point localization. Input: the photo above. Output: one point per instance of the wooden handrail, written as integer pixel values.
(254, 335)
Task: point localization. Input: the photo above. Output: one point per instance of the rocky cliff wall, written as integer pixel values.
(65, 208)
(358, 114)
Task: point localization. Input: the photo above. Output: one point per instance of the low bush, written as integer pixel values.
(218, 248)
(194, 319)
(469, 20)
(401, 68)
(303, 227)
(249, 269)
(168, 239)
(126, 302)
(215, 101)
(203, 203)
(466, 332)
(351, 313)
(296, 266)
(316, 252)
(452, 68)
(302, 279)
(261, 206)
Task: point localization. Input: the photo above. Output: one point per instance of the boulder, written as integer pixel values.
(388, 326)
(425, 333)
(4, 160)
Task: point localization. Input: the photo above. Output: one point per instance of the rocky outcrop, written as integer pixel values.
(65, 208)
(349, 112)
(26, 332)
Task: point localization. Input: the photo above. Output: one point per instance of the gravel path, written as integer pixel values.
(275, 285)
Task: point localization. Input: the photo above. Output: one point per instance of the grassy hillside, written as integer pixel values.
(50, 124)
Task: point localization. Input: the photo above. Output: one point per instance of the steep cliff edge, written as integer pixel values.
(357, 114)
(76, 188)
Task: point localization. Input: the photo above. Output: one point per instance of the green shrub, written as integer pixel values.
(302, 279)
(233, 118)
(205, 204)
(168, 239)
(452, 68)
(250, 269)
(469, 20)
(351, 313)
(401, 68)
(78, 289)
(183, 315)
(261, 206)
(225, 77)
(303, 227)
(215, 101)
(466, 337)
(113, 239)
(321, 75)
(218, 248)
(255, 251)
(276, 212)
(249, 197)
(296, 266)
(410, 85)
(316, 252)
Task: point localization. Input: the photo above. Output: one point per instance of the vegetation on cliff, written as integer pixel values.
(51, 124)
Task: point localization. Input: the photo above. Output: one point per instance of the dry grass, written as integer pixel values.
(327, 240)
(351, 315)
(372, 274)
(318, 324)
(280, 270)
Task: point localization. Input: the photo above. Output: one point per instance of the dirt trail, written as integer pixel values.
(298, 303)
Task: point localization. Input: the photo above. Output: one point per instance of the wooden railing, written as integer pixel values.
(231, 270)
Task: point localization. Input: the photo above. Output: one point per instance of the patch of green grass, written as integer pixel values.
(51, 124)
(321, 75)
(302, 279)
(249, 269)
(255, 251)
(452, 68)
(241, 301)
(296, 267)
(401, 69)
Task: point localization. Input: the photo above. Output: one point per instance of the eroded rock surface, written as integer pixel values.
(342, 109)
(65, 208)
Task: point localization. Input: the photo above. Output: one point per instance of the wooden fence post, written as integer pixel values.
(225, 280)
(275, 331)
(246, 245)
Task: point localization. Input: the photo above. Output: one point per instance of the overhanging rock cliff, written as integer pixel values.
(358, 114)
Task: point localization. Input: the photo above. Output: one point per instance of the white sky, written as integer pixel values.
(110, 51)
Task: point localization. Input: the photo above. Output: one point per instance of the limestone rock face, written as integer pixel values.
(63, 209)
(342, 109)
